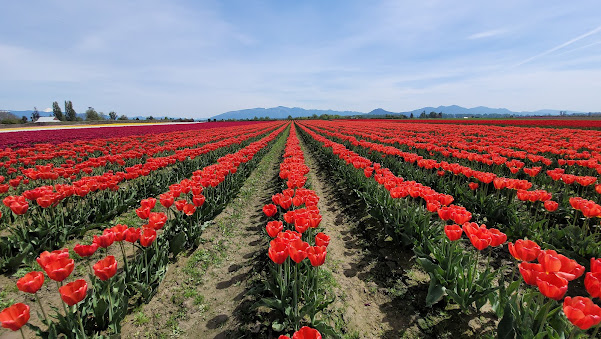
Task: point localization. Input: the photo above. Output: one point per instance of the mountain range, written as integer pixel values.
(282, 112)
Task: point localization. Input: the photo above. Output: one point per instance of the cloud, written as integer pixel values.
(558, 47)
(48, 110)
(487, 34)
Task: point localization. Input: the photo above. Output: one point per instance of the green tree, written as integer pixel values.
(70, 114)
(411, 116)
(123, 117)
(35, 115)
(23, 119)
(112, 115)
(92, 115)
(422, 115)
(56, 110)
(150, 118)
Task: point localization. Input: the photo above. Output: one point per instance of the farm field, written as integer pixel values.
(301, 229)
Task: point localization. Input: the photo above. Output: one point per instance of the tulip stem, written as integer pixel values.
(124, 259)
(62, 302)
(110, 296)
(543, 320)
(41, 307)
(596, 331)
(83, 331)
(22, 335)
(295, 290)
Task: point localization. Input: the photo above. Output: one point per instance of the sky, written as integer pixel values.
(201, 58)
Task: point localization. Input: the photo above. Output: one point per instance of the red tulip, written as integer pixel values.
(148, 236)
(47, 257)
(180, 204)
(270, 210)
(19, 208)
(105, 240)
(132, 234)
(105, 268)
(595, 265)
(453, 232)
(592, 282)
(85, 250)
(60, 269)
(74, 292)
(525, 250)
(530, 271)
(582, 312)
(551, 205)
(189, 209)
(143, 212)
(297, 249)
(551, 285)
(278, 251)
(552, 262)
(119, 231)
(157, 220)
(317, 255)
(198, 200)
(498, 238)
(322, 239)
(479, 236)
(15, 316)
(306, 333)
(274, 227)
(301, 224)
(288, 236)
(166, 199)
(31, 282)
(473, 186)
(283, 337)
(148, 203)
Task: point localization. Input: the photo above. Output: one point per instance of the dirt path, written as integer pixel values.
(203, 292)
(363, 305)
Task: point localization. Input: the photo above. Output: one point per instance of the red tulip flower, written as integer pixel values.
(119, 231)
(189, 209)
(595, 265)
(15, 316)
(278, 251)
(157, 220)
(322, 239)
(301, 224)
(148, 203)
(105, 240)
(306, 333)
(198, 200)
(551, 205)
(143, 212)
(297, 250)
(148, 236)
(479, 236)
(552, 262)
(105, 268)
(473, 186)
(530, 272)
(60, 269)
(453, 232)
(180, 204)
(317, 255)
(525, 250)
(85, 250)
(551, 285)
(132, 234)
(47, 257)
(582, 312)
(498, 238)
(270, 210)
(74, 292)
(592, 282)
(166, 199)
(31, 282)
(274, 227)
(19, 208)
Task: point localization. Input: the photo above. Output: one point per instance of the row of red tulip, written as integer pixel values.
(47, 196)
(58, 265)
(291, 244)
(551, 275)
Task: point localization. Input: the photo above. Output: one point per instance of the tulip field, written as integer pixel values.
(497, 222)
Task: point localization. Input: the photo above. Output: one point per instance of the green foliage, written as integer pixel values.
(70, 114)
(56, 110)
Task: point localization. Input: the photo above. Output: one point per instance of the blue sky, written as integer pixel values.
(202, 58)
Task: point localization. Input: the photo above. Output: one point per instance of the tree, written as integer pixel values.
(150, 118)
(23, 119)
(123, 117)
(422, 115)
(112, 115)
(56, 110)
(91, 114)
(70, 114)
(35, 115)
(411, 116)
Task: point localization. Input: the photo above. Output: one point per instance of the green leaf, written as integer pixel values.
(435, 292)
(505, 328)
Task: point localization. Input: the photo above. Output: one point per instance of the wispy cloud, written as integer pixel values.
(558, 47)
(487, 34)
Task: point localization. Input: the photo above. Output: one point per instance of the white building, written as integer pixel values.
(47, 119)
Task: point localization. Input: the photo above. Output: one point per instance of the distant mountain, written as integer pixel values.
(279, 112)
(480, 110)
